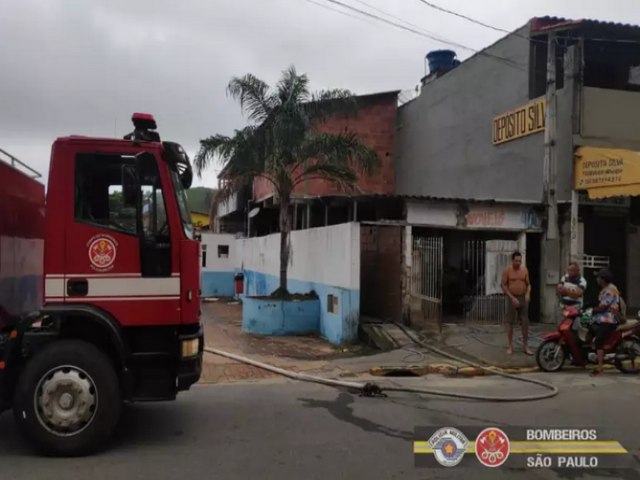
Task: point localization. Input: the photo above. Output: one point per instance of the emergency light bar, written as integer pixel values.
(144, 121)
(143, 124)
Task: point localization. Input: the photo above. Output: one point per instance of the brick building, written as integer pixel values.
(318, 202)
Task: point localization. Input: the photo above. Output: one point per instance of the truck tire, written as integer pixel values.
(68, 400)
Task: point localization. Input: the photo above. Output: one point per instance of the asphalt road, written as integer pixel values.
(286, 430)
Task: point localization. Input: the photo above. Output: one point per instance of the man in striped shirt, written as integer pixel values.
(572, 287)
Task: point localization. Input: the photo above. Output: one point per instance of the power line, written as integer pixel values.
(460, 15)
(362, 2)
(426, 35)
(525, 37)
(413, 25)
(342, 12)
(478, 22)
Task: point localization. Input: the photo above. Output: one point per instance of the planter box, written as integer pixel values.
(265, 316)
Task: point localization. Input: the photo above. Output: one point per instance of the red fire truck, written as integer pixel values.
(100, 296)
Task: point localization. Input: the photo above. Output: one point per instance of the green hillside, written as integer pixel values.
(199, 199)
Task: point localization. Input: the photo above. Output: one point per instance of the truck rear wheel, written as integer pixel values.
(68, 399)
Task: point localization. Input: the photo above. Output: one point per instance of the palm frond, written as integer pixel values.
(340, 175)
(241, 153)
(331, 103)
(209, 148)
(344, 149)
(292, 87)
(253, 95)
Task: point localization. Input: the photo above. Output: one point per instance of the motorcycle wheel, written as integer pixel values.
(550, 356)
(631, 348)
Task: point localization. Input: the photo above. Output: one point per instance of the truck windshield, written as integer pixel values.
(181, 196)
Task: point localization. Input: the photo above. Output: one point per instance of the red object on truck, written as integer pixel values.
(100, 296)
(21, 243)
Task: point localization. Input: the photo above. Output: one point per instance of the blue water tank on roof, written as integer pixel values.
(441, 60)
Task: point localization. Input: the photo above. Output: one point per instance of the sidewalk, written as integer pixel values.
(487, 344)
(222, 321)
(311, 354)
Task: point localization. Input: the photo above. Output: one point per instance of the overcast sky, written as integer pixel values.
(83, 66)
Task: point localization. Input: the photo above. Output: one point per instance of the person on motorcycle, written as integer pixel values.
(605, 316)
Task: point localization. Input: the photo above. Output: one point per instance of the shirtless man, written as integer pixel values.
(516, 286)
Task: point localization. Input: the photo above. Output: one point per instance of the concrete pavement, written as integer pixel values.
(276, 429)
(488, 343)
(312, 354)
(222, 321)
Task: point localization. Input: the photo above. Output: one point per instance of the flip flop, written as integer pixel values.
(596, 373)
(528, 352)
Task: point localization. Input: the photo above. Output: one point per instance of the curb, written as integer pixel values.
(443, 369)
(452, 370)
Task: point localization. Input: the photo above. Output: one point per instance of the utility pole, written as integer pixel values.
(550, 272)
(550, 132)
(574, 65)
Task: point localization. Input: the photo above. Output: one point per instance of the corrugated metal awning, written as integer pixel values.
(542, 24)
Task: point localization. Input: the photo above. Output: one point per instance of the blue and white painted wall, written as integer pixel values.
(325, 260)
(219, 262)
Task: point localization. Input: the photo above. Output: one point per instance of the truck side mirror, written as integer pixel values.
(130, 185)
(187, 178)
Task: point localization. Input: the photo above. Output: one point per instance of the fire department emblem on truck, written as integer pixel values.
(102, 252)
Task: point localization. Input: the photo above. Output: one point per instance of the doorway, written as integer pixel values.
(605, 235)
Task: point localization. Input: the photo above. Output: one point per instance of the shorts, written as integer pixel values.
(601, 332)
(520, 314)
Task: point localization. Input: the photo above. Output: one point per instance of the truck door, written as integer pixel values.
(118, 245)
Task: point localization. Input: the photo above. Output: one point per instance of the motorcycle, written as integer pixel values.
(621, 349)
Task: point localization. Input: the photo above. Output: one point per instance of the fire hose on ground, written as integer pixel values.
(372, 389)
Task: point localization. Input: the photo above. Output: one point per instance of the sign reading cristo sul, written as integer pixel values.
(522, 121)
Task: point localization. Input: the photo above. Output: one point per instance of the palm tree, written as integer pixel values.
(282, 144)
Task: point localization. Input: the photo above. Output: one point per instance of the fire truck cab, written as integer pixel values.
(120, 319)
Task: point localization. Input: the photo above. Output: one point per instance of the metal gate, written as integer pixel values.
(482, 266)
(426, 276)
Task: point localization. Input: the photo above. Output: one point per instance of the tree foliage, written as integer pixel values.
(283, 145)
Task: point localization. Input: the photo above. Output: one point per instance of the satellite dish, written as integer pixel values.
(254, 212)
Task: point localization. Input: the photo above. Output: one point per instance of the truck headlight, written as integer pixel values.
(189, 348)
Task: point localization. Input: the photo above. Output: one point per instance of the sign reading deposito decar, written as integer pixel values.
(522, 121)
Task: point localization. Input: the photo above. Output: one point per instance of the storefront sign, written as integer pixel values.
(473, 216)
(486, 218)
(620, 202)
(607, 172)
(523, 121)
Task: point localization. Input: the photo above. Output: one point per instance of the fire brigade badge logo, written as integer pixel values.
(102, 252)
(449, 446)
(492, 447)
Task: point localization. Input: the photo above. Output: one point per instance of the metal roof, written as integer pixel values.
(540, 24)
(386, 196)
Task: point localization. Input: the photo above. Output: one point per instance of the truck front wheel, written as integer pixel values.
(68, 399)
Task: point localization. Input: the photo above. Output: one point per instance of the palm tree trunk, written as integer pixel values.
(213, 210)
(285, 227)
